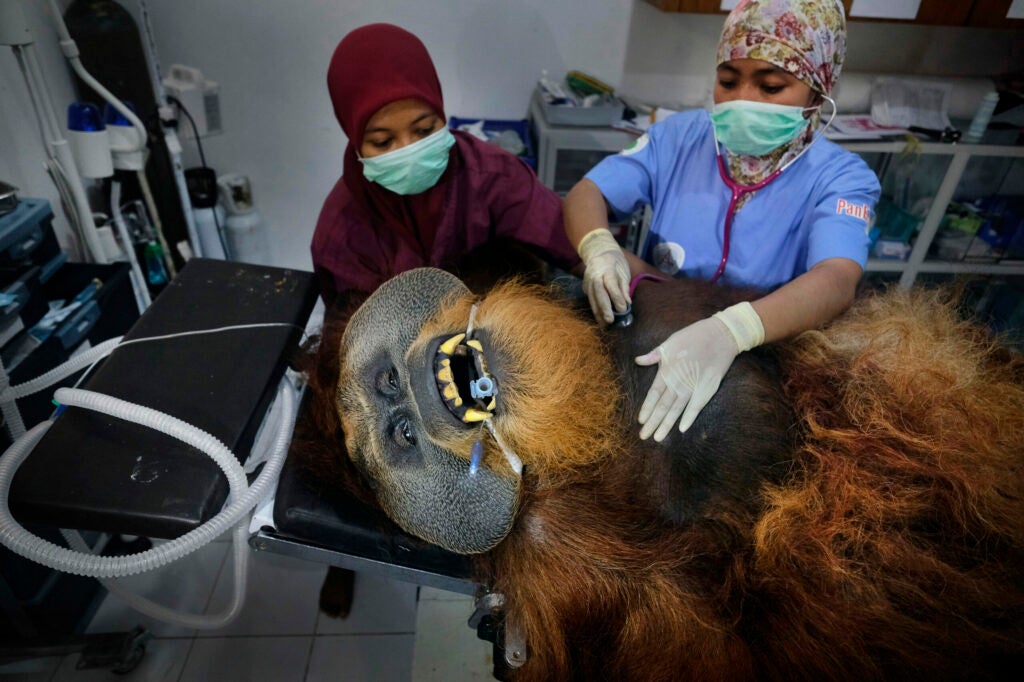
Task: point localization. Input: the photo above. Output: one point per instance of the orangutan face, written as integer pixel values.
(446, 464)
(403, 429)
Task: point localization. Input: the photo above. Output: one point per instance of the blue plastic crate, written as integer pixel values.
(522, 127)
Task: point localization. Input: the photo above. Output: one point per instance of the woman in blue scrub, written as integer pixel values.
(750, 194)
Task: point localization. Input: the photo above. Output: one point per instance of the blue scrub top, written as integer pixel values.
(820, 207)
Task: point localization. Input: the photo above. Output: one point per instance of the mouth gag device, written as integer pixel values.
(482, 387)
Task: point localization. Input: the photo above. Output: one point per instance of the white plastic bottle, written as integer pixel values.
(244, 229)
(210, 220)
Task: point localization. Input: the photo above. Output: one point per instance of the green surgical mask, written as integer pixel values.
(414, 168)
(756, 128)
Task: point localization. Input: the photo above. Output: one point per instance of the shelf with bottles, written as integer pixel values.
(947, 208)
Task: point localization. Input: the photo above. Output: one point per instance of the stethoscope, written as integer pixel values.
(738, 191)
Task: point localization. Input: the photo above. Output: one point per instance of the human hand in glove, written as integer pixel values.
(606, 274)
(692, 363)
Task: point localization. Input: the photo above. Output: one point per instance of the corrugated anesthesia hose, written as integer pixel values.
(9, 394)
(239, 544)
(241, 500)
(12, 415)
(20, 541)
(240, 562)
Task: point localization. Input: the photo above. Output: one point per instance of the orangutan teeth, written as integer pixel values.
(449, 346)
(460, 371)
(472, 416)
(446, 383)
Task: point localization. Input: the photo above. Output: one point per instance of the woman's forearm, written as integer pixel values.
(638, 265)
(809, 301)
(583, 211)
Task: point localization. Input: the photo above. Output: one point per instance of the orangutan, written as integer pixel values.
(849, 506)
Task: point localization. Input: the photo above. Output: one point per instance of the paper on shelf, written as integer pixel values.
(1016, 10)
(906, 102)
(859, 127)
(885, 9)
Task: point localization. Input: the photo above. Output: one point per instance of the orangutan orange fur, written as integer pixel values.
(887, 543)
(911, 484)
(569, 397)
(893, 549)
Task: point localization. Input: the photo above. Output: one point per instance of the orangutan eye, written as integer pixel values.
(402, 433)
(387, 382)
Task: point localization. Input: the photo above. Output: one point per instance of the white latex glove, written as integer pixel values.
(606, 274)
(693, 362)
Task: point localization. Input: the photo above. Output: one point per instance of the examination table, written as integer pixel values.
(98, 473)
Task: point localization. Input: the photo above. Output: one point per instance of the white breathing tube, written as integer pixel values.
(9, 409)
(513, 460)
(70, 49)
(79, 560)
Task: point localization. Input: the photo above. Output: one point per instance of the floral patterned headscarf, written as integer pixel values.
(806, 38)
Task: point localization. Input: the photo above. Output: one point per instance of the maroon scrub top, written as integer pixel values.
(489, 194)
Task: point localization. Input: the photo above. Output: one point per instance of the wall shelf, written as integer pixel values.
(566, 153)
(959, 156)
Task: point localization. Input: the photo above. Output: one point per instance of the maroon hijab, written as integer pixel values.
(373, 66)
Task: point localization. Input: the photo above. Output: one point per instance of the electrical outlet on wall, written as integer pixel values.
(199, 97)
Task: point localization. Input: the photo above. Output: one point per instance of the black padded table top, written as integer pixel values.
(96, 472)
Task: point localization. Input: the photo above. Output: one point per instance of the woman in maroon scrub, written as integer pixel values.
(412, 192)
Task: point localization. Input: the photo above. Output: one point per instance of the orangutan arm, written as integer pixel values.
(809, 301)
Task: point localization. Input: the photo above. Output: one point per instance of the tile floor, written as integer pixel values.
(396, 632)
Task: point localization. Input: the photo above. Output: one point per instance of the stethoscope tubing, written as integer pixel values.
(737, 192)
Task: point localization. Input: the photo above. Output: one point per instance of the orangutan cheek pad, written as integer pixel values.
(398, 431)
